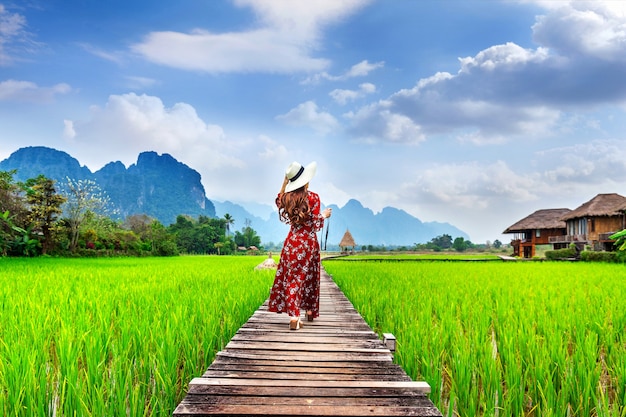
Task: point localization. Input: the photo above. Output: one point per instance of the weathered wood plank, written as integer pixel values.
(299, 391)
(303, 410)
(416, 385)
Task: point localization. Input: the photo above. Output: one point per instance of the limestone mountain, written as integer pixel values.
(161, 187)
(157, 185)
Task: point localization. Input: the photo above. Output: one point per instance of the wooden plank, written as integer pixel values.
(303, 410)
(299, 391)
(310, 400)
(416, 385)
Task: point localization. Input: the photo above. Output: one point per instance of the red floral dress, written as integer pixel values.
(297, 282)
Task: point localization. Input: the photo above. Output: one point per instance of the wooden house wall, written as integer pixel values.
(603, 225)
(545, 234)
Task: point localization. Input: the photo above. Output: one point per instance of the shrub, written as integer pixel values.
(561, 254)
(589, 256)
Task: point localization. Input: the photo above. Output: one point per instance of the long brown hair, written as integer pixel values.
(294, 207)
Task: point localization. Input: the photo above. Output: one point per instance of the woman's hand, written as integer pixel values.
(327, 212)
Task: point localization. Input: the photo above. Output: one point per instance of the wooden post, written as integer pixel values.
(390, 341)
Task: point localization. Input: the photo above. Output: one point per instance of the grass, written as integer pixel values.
(501, 338)
(117, 337)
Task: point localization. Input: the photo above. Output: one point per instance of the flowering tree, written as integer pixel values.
(83, 197)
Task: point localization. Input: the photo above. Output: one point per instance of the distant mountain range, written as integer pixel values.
(163, 188)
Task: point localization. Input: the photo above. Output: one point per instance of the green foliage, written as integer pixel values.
(559, 254)
(620, 240)
(44, 210)
(31, 226)
(460, 244)
(597, 256)
(247, 237)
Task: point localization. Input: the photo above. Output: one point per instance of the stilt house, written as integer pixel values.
(538, 229)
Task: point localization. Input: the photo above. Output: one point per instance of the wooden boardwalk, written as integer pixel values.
(334, 366)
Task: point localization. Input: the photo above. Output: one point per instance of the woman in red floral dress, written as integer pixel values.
(297, 282)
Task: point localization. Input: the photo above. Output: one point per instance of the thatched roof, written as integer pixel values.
(347, 240)
(541, 219)
(600, 205)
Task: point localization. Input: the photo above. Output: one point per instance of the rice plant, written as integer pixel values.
(117, 337)
(501, 339)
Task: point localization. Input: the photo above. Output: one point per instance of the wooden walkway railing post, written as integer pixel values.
(334, 366)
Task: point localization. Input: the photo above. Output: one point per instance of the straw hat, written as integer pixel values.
(299, 175)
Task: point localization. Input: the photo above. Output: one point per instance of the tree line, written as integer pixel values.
(40, 217)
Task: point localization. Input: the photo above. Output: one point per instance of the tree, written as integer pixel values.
(13, 212)
(459, 244)
(45, 207)
(229, 222)
(163, 242)
(139, 224)
(247, 237)
(443, 241)
(497, 244)
(82, 197)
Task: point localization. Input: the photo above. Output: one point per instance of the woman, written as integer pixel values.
(297, 282)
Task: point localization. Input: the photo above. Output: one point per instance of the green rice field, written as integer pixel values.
(501, 338)
(117, 337)
(123, 337)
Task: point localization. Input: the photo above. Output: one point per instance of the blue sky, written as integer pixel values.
(475, 113)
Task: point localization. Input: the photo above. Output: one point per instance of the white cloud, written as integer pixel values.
(12, 33)
(135, 82)
(287, 35)
(308, 114)
(115, 57)
(272, 150)
(68, 129)
(469, 185)
(130, 124)
(376, 123)
(591, 163)
(361, 69)
(26, 91)
(592, 28)
(343, 96)
(507, 92)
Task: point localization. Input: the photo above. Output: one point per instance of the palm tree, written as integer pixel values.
(229, 221)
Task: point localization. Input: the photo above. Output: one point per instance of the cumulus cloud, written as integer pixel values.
(377, 122)
(26, 91)
(308, 114)
(129, 124)
(592, 163)
(361, 69)
(343, 96)
(469, 185)
(68, 129)
(288, 32)
(594, 166)
(507, 91)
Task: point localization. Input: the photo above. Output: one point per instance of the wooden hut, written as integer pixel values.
(593, 222)
(347, 241)
(537, 229)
